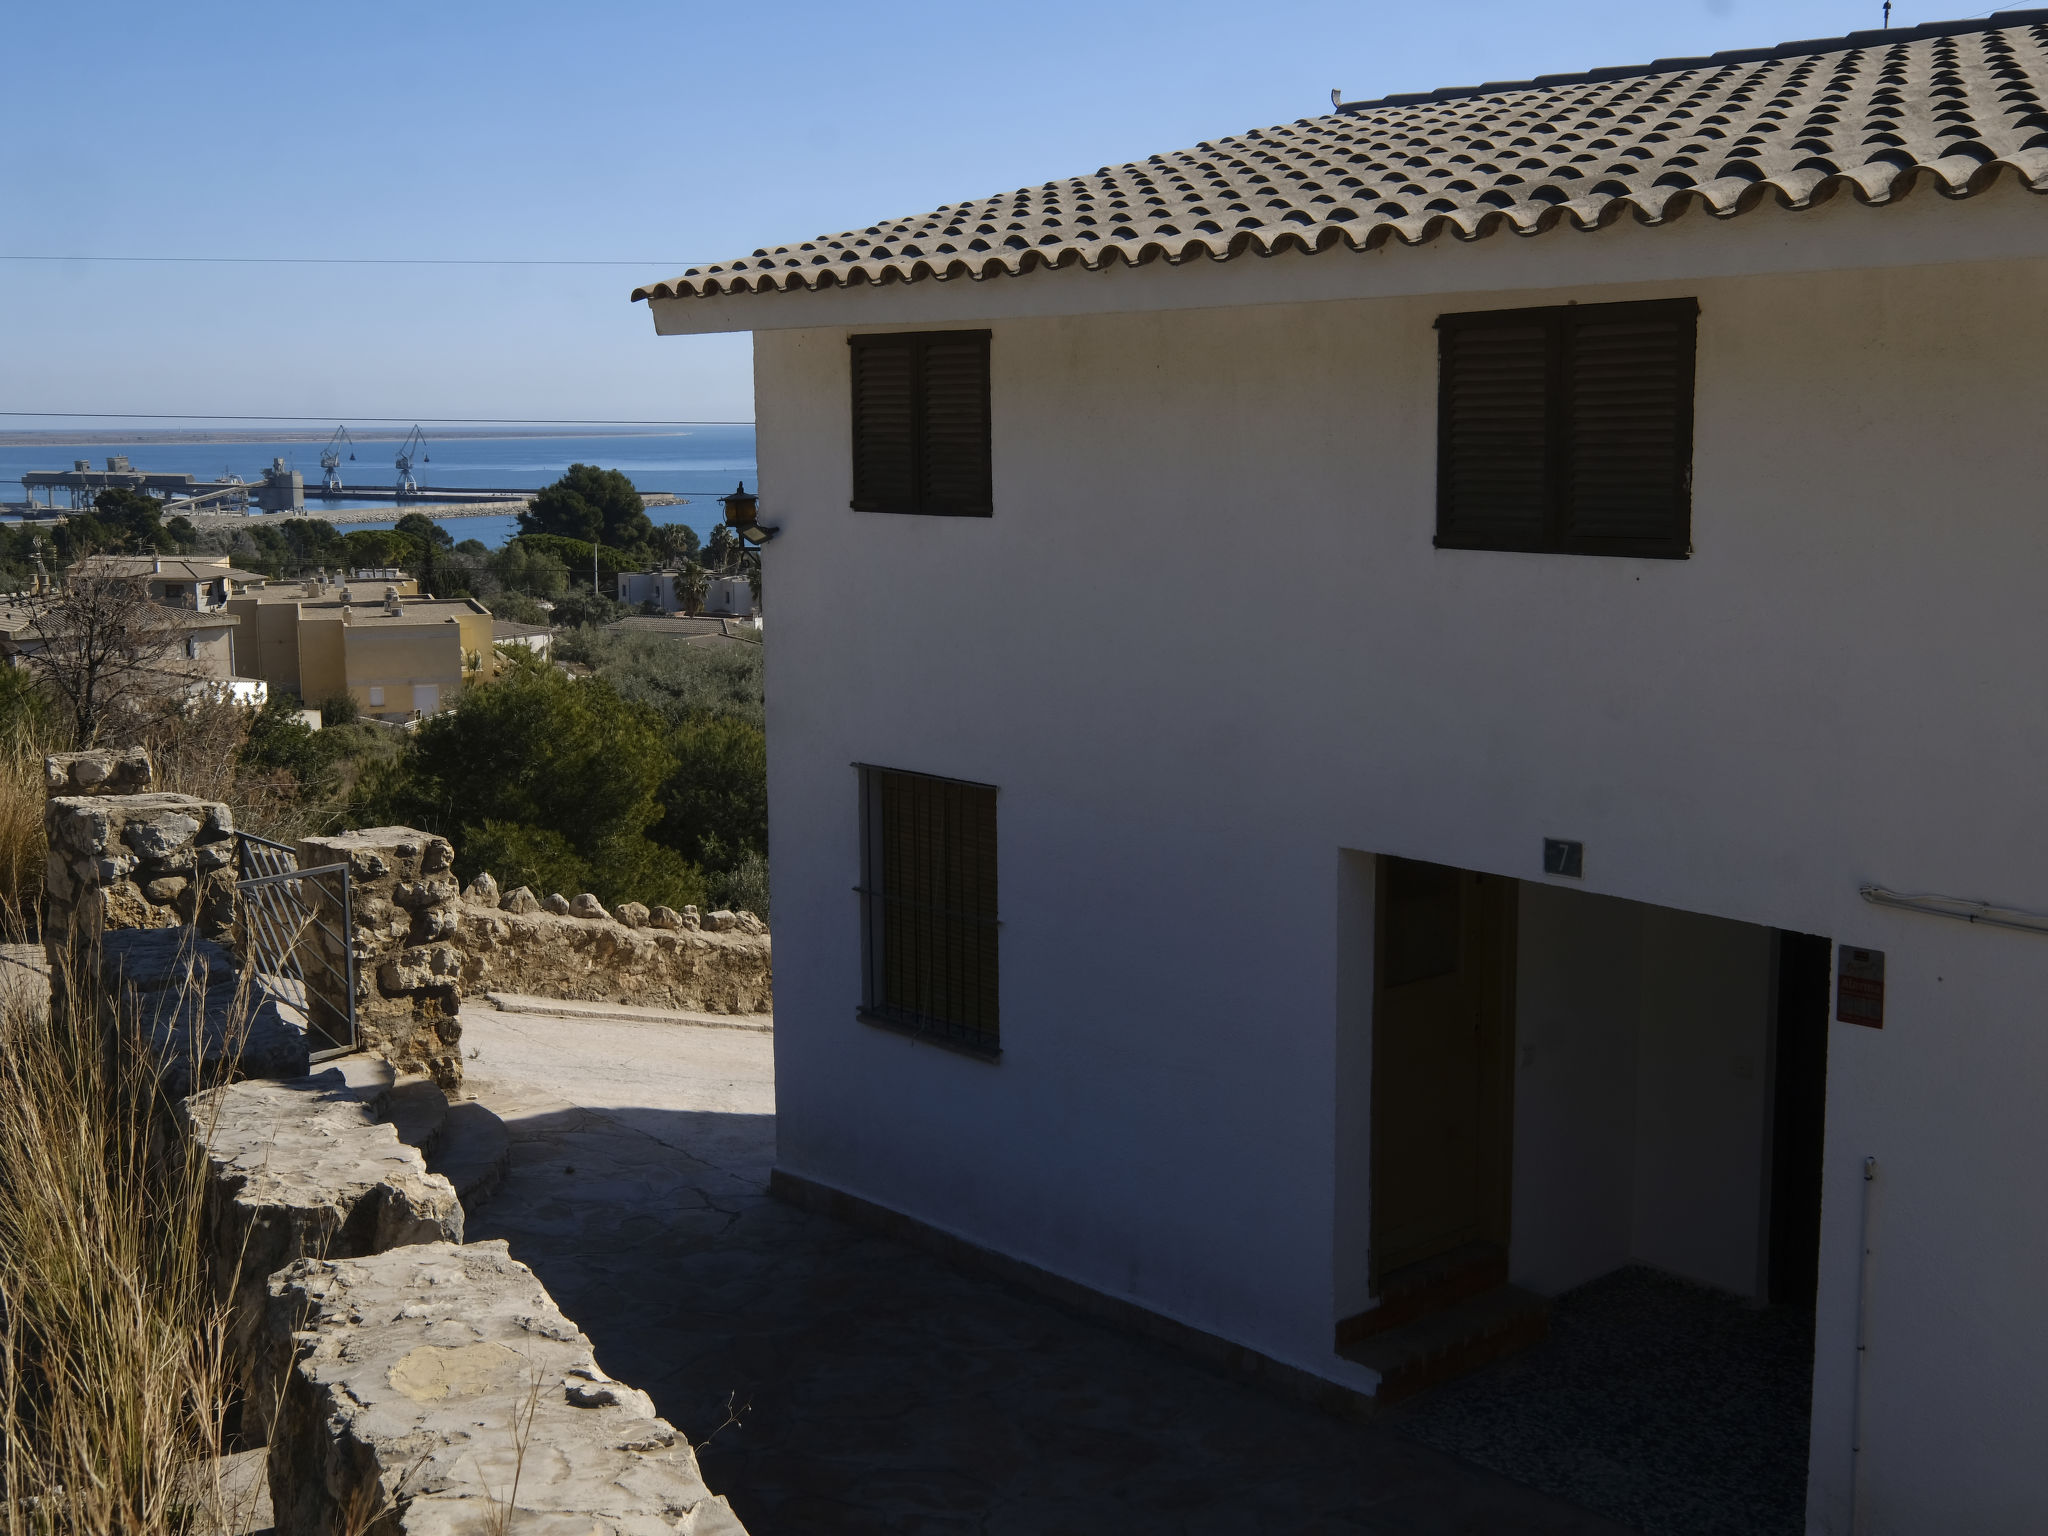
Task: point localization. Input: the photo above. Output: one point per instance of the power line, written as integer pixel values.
(375, 261)
(446, 421)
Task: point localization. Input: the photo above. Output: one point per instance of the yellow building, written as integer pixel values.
(396, 655)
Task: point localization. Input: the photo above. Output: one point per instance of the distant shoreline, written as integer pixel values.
(50, 439)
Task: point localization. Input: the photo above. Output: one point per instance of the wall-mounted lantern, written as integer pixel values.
(741, 510)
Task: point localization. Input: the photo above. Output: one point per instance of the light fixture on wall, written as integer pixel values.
(741, 510)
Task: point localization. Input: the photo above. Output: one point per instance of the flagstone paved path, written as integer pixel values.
(837, 1381)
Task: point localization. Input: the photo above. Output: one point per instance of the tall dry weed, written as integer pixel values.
(22, 843)
(113, 1380)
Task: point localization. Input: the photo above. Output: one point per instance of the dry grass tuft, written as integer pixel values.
(22, 845)
(113, 1382)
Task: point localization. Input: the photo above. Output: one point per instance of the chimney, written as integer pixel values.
(156, 566)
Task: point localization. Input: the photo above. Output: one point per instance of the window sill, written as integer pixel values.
(987, 1053)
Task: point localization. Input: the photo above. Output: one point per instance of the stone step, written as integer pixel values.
(420, 1111)
(474, 1154)
(1430, 1286)
(1449, 1342)
(368, 1077)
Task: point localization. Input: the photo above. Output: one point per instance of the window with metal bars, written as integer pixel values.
(921, 423)
(928, 907)
(1567, 429)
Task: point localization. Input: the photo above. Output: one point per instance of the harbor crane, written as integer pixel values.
(330, 458)
(416, 443)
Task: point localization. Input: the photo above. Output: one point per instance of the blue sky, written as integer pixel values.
(654, 134)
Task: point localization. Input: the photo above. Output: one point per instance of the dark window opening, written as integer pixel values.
(928, 907)
(1567, 429)
(921, 424)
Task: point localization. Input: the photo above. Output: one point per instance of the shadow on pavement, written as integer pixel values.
(838, 1381)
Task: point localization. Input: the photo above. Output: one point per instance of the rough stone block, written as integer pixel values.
(134, 861)
(411, 1374)
(664, 917)
(101, 771)
(722, 922)
(483, 891)
(520, 900)
(632, 914)
(557, 903)
(588, 906)
(294, 1170)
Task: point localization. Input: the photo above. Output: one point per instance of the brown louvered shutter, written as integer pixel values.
(1494, 432)
(884, 423)
(1629, 490)
(1567, 429)
(929, 886)
(954, 439)
(921, 423)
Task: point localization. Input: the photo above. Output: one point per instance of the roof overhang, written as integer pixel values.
(2007, 222)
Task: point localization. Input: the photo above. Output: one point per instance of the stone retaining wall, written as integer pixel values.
(427, 1381)
(294, 1170)
(658, 959)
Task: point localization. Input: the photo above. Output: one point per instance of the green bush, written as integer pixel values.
(539, 858)
(715, 803)
(682, 681)
(571, 764)
(743, 888)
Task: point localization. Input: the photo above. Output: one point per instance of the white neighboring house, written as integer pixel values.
(657, 587)
(1518, 910)
(729, 597)
(537, 638)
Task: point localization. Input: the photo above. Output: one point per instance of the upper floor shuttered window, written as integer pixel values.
(1567, 429)
(921, 423)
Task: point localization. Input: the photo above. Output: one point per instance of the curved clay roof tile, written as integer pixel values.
(1956, 104)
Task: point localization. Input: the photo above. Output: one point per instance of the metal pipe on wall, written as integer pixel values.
(1856, 1457)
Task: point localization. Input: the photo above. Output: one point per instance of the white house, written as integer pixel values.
(656, 587)
(1519, 909)
(729, 597)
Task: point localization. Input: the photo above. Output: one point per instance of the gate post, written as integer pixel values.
(401, 900)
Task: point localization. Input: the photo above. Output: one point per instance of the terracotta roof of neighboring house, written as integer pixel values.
(1873, 114)
(17, 622)
(176, 567)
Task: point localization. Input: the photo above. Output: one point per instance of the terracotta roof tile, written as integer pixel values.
(1954, 105)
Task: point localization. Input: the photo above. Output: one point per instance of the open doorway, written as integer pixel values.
(1596, 1142)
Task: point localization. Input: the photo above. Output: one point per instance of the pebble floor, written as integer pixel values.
(838, 1381)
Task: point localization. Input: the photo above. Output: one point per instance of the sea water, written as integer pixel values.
(701, 463)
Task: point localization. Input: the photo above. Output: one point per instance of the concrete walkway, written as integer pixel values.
(837, 1381)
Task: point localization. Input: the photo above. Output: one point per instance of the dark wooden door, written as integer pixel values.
(1442, 1021)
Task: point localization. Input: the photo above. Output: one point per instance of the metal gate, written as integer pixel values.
(299, 937)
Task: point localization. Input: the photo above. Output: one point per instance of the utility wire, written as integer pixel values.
(446, 421)
(376, 261)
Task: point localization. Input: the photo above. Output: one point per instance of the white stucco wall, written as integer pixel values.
(1578, 1023)
(1641, 1092)
(1839, 686)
